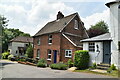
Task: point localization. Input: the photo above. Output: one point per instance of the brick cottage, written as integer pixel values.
(59, 39)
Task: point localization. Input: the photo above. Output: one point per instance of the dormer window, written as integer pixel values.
(49, 39)
(76, 24)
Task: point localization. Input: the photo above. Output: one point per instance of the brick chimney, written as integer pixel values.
(60, 15)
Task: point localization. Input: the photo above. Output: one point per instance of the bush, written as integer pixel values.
(22, 60)
(113, 67)
(109, 70)
(81, 60)
(5, 55)
(94, 65)
(10, 56)
(41, 63)
(29, 51)
(59, 66)
(70, 63)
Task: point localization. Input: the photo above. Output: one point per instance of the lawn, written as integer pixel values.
(113, 74)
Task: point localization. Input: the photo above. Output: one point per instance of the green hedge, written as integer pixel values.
(5, 55)
(59, 66)
(81, 60)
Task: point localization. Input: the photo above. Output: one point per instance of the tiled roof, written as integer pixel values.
(56, 25)
(22, 39)
(102, 37)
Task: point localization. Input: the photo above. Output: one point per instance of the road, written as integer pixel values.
(16, 70)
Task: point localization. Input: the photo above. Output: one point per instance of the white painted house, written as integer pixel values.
(104, 48)
(18, 45)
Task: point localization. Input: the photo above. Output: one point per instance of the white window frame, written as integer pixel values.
(49, 54)
(76, 24)
(68, 53)
(91, 46)
(49, 39)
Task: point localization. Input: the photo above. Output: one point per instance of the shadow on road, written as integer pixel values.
(3, 64)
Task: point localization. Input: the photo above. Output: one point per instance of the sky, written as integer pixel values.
(30, 16)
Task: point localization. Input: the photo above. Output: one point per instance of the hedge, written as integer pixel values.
(81, 60)
(59, 66)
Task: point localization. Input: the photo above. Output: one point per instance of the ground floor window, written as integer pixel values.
(38, 53)
(68, 53)
(49, 54)
(91, 46)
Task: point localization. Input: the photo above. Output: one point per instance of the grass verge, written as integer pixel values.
(113, 74)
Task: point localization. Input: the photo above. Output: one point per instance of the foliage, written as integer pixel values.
(94, 65)
(81, 60)
(41, 63)
(8, 34)
(70, 63)
(5, 55)
(22, 59)
(113, 67)
(10, 56)
(109, 70)
(59, 66)
(99, 28)
(29, 51)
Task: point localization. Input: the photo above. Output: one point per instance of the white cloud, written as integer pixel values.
(96, 17)
(32, 19)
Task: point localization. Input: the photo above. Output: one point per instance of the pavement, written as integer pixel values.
(15, 70)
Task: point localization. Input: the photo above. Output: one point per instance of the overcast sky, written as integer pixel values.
(31, 15)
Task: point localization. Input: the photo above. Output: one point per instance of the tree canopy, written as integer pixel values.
(99, 28)
(7, 33)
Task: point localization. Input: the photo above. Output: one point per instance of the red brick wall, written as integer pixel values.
(70, 28)
(65, 44)
(44, 46)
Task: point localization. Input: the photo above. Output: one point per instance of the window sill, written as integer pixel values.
(49, 43)
(49, 59)
(68, 56)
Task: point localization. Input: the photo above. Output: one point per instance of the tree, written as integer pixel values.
(29, 51)
(7, 34)
(98, 29)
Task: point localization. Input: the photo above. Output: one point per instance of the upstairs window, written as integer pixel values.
(68, 53)
(38, 42)
(49, 39)
(76, 24)
(92, 47)
(49, 54)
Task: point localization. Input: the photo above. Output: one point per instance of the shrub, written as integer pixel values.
(59, 66)
(22, 60)
(113, 67)
(29, 51)
(94, 65)
(41, 63)
(81, 60)
(5, 55)
(10, 56)
(109, 70)
(70, 63)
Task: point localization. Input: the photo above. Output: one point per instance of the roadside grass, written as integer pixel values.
(113, 74)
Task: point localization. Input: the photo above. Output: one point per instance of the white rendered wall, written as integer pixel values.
(115, 30)
(15, 46)
(93, 58)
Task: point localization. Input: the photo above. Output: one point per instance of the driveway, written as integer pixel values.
(16, 70)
